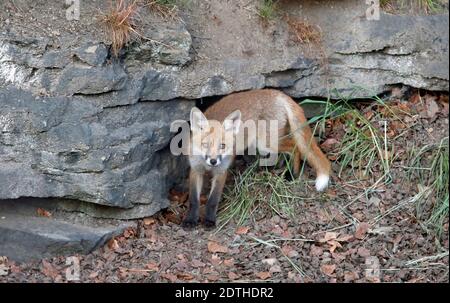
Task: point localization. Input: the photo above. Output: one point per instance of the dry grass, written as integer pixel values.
(258, 191)
(414, 6)
(119, 24)
(364, 147)
(304, 32)
(168, 9)
(429, 165)
(310, 36)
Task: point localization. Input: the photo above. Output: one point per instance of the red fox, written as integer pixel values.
(211, 151)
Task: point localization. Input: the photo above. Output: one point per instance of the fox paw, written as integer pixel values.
(189, 224)
(209, 224)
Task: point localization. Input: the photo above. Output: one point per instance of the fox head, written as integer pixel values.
(212, 140)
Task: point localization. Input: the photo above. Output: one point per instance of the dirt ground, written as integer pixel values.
(347, 234)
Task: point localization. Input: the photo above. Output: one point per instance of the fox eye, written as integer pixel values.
(222, 146)
(205, 145)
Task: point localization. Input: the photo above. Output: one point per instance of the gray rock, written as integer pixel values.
(173, 46)
(411, 50)
(159, 86)
(25, 236)
(74, 148)
(92, 54)
(54, 59)
(81, 79)
(167, 46)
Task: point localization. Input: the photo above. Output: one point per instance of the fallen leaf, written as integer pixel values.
(263, 275)
(197, 263)
(350, 276)
(181, 257)
(242, 230)
(292, 254)
(232, 276)
(294, 276)
(316, 251)
(213, 277)
(215, 247)
(14, 268)
(208, 270)
(328, 236)
(329, 142)
(286, 250)
(432, 108)
(331, 193)
(361, 230)
(277, 230)
(228, 262)
(363, 252)
(43, 213)
(149, 221)
(49, 270)
(172, 217)
(153, 266)
(445, 109)
(169, 276)
(416, 280)
(333, 245)
(415, 98)
(344, 238)
(328, 269)
(332, 157)
(338, 257)
(185, 276)
(113, 244)
(368, 115)
(129, 232)
(151, 235)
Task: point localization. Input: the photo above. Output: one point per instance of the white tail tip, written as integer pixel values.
(322, 182)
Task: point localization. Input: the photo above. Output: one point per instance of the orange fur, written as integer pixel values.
(294, 134)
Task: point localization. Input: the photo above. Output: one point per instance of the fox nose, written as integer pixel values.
(213, 161)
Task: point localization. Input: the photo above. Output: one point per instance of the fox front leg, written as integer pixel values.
(218, 184)
(195, 188)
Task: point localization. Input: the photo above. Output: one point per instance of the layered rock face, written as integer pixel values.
(74, 148)
(77, 123)
(73, 124)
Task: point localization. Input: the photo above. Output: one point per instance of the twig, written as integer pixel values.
(429, 258)
(333, 229)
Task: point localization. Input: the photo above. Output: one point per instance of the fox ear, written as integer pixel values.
(233, 122)
(198, 120)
